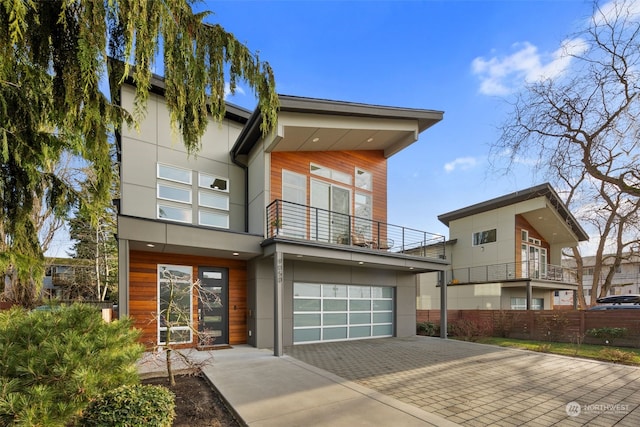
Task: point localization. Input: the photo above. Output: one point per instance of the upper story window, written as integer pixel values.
(175, 197)
(213, 182)
(364, 180)
(173, 173)
(331, 174)
(482, 237)
(213, 200)
(174, 193)
(294, 187)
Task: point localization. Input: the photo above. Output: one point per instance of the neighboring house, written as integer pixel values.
(626, 279)
(506, 253)
(288, 231)
(65, 278)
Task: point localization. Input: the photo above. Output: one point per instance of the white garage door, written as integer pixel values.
(332, 312)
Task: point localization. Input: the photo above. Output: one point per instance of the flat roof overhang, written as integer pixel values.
(167, 237)
(353, 256)
(310, 124)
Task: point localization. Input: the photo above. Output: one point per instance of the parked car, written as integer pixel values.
(615, 307)
(620, 299)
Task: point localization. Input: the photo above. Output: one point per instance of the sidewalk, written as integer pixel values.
(281, 391)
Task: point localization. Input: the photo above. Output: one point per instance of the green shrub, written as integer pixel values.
(607, 334)
(427, 328)
(53, 363)
(129, 406)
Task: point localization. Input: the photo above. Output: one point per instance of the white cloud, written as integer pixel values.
(462, 163)
(501, 75)
(610, 10)
(227, 90)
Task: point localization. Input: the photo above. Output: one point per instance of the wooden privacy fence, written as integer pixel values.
(544, 325)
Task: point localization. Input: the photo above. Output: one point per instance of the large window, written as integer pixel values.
(175, 299)
(482, 237)
(364, 180)
(213, 200)
(175, 197)
(521, 303)
(293, 216)
(174, 193)
(330, 173)
(334, 312)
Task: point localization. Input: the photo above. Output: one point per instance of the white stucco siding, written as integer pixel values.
(464, 254)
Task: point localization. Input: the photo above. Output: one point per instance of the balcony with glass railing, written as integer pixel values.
(513, 271)
(296, 221)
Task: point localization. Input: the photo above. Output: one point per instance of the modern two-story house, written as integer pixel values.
(506, 254)
(287, 231)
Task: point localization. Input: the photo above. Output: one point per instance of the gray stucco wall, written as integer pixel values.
(154, 142)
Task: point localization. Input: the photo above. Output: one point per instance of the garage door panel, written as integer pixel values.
(336, 312)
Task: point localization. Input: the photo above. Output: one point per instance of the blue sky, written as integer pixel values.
(462, 57)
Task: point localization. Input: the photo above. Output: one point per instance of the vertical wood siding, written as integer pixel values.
(143, 288)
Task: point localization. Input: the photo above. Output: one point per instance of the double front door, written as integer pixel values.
(213, 311)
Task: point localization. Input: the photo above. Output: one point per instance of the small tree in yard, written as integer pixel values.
(53, 363)
(175, 314)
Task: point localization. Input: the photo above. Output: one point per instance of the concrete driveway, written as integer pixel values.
(479, 385)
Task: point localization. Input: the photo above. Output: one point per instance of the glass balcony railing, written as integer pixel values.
(293, 220)
(512, 271)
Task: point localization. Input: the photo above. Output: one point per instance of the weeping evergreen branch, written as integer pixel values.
(53, 56)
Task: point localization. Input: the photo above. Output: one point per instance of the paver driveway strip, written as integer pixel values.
(475, 384)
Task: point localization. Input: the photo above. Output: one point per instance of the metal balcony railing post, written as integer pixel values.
(316, 224)
(424, 243)
(278, 221)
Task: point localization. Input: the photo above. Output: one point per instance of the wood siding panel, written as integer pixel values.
(523, 224)
(143, 288)
(342, 161)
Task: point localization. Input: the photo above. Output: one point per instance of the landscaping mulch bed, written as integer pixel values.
(197, 403)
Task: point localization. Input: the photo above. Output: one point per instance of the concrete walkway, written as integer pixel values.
(269, 391)
(421, 381)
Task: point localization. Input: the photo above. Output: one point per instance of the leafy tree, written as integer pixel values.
(53, 55)
(53, 363)
(93, 230)
(583, 129)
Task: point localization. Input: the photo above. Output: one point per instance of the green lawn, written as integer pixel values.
(627, 356)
